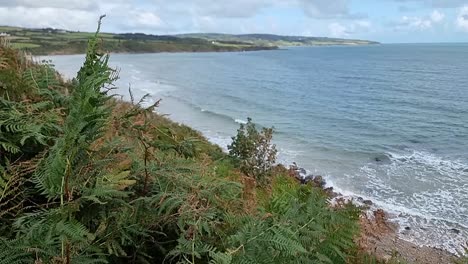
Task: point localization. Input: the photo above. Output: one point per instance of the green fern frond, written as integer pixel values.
(220, 258)
(84, 124)
(14, 252)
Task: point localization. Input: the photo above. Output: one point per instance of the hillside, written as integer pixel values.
(54, 41)
(50, 41)
(276, 40)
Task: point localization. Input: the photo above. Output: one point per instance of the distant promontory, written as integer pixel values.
(48, 41)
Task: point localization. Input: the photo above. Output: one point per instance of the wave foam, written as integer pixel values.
(443, 166)
(240, 121)
(425, 192)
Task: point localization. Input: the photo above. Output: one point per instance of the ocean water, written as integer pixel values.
(387, 123)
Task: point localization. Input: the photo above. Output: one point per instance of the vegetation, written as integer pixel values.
(253, 152)
(53, 41)
(85, 178)
(275, 40)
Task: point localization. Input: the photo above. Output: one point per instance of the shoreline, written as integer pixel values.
(390, 241)
(395, 232)
(379, 236)
(252, 49)
(65, 53)
(331, 45)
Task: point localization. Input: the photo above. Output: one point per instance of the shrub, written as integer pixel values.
(253, 151)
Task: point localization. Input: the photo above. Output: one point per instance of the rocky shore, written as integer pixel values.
(379, 236)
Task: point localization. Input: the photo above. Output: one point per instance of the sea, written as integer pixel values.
(385, 122)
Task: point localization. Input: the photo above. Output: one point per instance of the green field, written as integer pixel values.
(52, 41)
(276, 40)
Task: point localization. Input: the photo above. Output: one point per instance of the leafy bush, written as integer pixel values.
(253, 150)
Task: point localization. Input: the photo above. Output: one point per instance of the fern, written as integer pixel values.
(300, 228)
(14, 252)
(35, 124)
(220, 258)
(11, 193)
(56, 232)
(84, 123)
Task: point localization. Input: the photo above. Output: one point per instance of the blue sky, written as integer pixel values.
(388, 21)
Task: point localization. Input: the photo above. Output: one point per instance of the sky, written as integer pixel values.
(387, 21)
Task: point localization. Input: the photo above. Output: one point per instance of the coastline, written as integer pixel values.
(330, 45)
(379, 236)
(389, 242)
(66, 52)
(249, 49)
(394, 240)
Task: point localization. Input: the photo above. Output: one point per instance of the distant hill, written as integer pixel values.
(276, 40)
(47, 41)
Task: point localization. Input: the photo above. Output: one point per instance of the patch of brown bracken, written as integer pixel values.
(249, 193)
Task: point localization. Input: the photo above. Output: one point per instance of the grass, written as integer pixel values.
(7, 29)
(276, 40)
(19, 45)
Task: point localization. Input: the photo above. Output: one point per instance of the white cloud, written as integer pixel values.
(248, 8)
(327, 9)
(175, 16)
(71, 15)
(339, 30)
(462, 18)
(418, 22)
(437, 16)
(48, 17)
(437, 3)
(363, 24)
(147, 19)
(68, 4)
